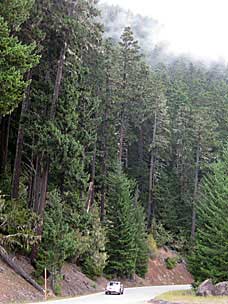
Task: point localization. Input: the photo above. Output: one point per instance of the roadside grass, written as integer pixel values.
(188, 296)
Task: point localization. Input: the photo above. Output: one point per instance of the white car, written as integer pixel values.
(114, 287)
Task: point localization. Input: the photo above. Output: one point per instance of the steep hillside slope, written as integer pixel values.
(15, 289)
(158, 273)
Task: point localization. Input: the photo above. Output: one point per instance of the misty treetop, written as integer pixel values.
(100, 144)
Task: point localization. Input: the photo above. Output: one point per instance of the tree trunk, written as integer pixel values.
(121, 142)
(41, 182)
(93, 172)
(104, 175)
(89, 197)
(42, 162)
(4, 141)
(19, 145)
(141, 144)
(10, 262)
(60, 67)
(122, 122)
(136, 198)
(40, 186)
(141, 159)
(31, 177)
(104, 166)
(123, 147)
(103, 199)
(151, 203)
(196, 184)
(43, 166)
(58, 81)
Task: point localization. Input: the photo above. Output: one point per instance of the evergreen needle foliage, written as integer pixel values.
(59, 241)
(72, 101)
(209, 259)
(141, 240)
(127, 242)
(121, 247)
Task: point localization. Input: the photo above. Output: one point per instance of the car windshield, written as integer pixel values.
(113, 283)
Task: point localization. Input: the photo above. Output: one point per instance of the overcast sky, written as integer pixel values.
(196, 27)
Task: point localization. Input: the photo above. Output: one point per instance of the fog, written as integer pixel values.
(116, 19)
(146, 31)
(195, 28)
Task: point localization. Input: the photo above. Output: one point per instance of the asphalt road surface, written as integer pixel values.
(139, 295)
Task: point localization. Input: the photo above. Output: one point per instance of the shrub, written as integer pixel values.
(171, 263)
(152, 246)
(57, 289)
(17, 225)
(161, 235)
(93, 261)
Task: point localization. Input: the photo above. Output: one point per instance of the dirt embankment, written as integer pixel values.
(14, 289)
(158, 273)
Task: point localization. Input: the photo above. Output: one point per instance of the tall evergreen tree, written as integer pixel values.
(209, 258)
(128, 58)
(121, 247)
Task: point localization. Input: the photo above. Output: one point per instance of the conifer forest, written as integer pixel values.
(105, 145)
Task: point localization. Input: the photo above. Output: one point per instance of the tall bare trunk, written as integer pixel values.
(89, 197)
(141, 158)
(31, 178)
(196, 185)
(104, 165)
(151, 202)
(39, 199)
(40, 181)
(104, 187)
(58, 81)
(43, 164)
(123, 147)
(19, 145)
(141, 144)
(123, 109)
(4, 142)
(121, 142)
(93, 175)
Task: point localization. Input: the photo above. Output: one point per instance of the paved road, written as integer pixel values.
(138, 295)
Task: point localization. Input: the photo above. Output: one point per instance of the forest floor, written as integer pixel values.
(14, 289)
(187, 297)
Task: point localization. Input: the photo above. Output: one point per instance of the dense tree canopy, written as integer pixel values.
(16, 57)
(98, 147)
